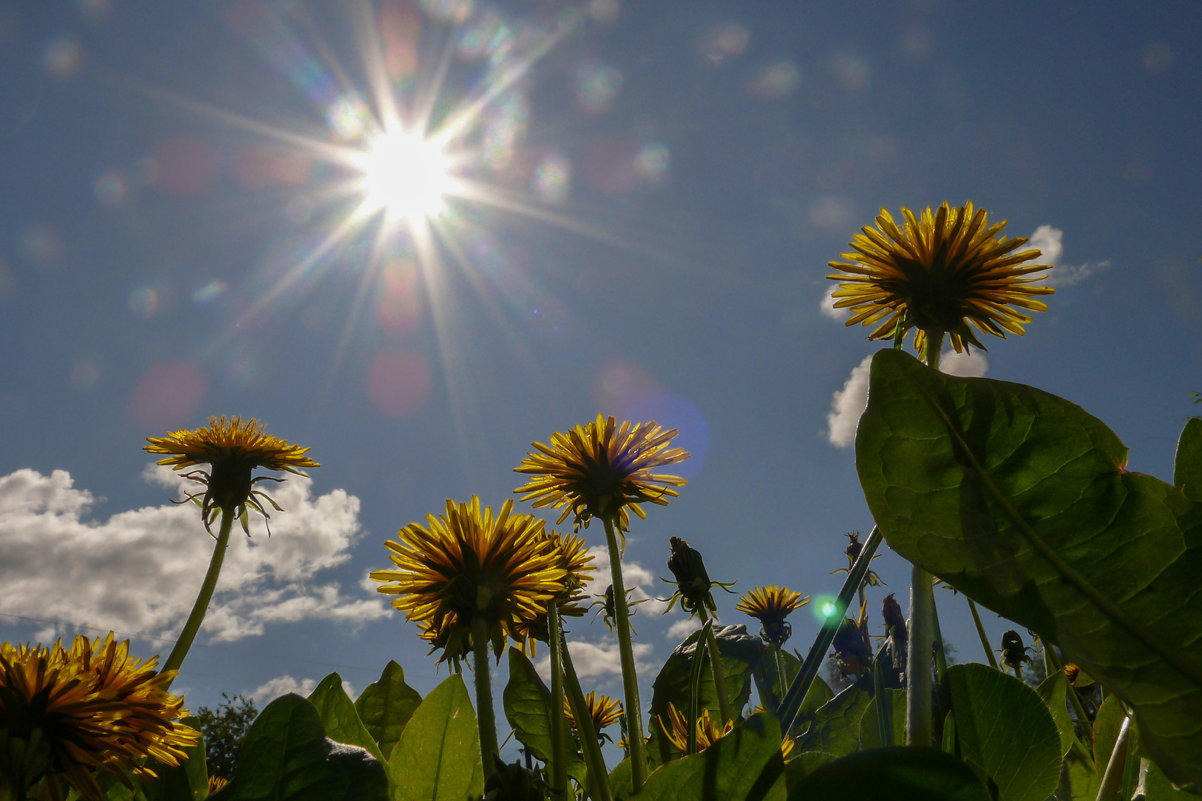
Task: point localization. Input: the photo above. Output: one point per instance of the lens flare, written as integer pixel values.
(405, 176)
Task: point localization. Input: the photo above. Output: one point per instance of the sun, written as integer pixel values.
(405, 176)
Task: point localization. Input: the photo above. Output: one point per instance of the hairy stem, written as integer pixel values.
(197, 616)
(559, 733)
(631, 707)
(711, 644)
(598, 776)
(486, 717)
(918, 659)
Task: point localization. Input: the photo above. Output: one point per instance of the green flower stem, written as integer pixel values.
(976, 618)
(1112, 779)
(694, 710)
(598, 776)
(782, 680)
(711, 643)
(790, 705)
(631, 707)
(918, 659)
(937, 644)
(559, 734)
(197, 616)
(486, 717)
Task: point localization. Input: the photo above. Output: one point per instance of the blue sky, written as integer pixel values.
(641, 204)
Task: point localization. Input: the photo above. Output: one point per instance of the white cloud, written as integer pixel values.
(640, 582)
(827, 306)
(681, 629)
(282, 685)
(848, 403)
(138, 571)
(600, 659)
(1050, 241)
(965, 365)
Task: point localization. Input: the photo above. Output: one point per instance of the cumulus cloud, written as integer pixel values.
(847, 405)
(681, 629)
(1050, 241)
(640, 582)
(282, 685)
(594, 660)
(827, 306)
(849, 402)
(137, 572)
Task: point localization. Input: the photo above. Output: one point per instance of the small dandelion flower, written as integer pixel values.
(66, 713)
(232, 449)
(940, 273)
(602, 469)
(771, 606)
(468, 566)
(572, 555)
(603, 710)
(676, 729)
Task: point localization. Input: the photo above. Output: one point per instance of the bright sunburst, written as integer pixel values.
(404, 176)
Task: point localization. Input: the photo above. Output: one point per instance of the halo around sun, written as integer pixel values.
(404, 176)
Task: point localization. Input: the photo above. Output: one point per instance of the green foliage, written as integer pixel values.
(990, 710)
(385, 705)
(528, 710)
(835, 729)
(339, 717)
(223, 729)
(892, 774)
(438, 756)
(286, 756)
(1020, 500)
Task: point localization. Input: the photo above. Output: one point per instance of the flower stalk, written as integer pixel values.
(598, 776)
(631, 707)
(486, 717)
(559, 734)
(184, 643)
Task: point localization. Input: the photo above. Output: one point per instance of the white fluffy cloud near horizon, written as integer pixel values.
(137, 572)
(848, 403)
(1050, 241)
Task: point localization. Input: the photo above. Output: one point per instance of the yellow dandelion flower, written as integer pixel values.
(65, 714)
(603, 710)
(572, 555)
(469, 566)
(941, 272)
(676, 728)
(232, 449)
(217, 783)
(771, 605)
(602, 469)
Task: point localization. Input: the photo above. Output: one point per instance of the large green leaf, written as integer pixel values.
(870, 730)
(438, 757)
(1021, 500)
(1004, 728)
(1054, 692)
(836, 725)
(286, 756)
(528, 710)
(384, 706)
(338, 715)
(769, 685)
(892, 774)
(745, 764)
(1187, 466)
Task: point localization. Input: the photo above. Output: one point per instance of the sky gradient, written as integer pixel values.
(640, 205)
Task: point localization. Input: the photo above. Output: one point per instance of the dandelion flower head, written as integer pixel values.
(940, 273)
(771, 606)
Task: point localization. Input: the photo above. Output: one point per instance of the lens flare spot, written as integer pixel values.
(719, 43)
(398, 382)
(209, 292)
(168, 395)
(63, 57)
(652, 161)
(84, 375)
(597, 86)
(347, 117)
(143, 301)
(824, 607)
(674, 411)
(184, 166)
(399, 306)
(775, 80)
(552, 178)
(111, 189)
(400, 26)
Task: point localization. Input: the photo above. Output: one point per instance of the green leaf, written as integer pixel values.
(836, 725)
(339, 717)
(745, 764)
(528, 710)
(1187, 467)
(1106, 725)
(438, 756)
(769, 686)
(1020, 500)
(892, 774)
(1054, 692)
(1158, 788)
(870, 735)
(740, 653)
(1003, 727)
(384, 706)
(287, 757)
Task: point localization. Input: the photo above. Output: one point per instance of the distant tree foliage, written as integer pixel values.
(224, 728)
